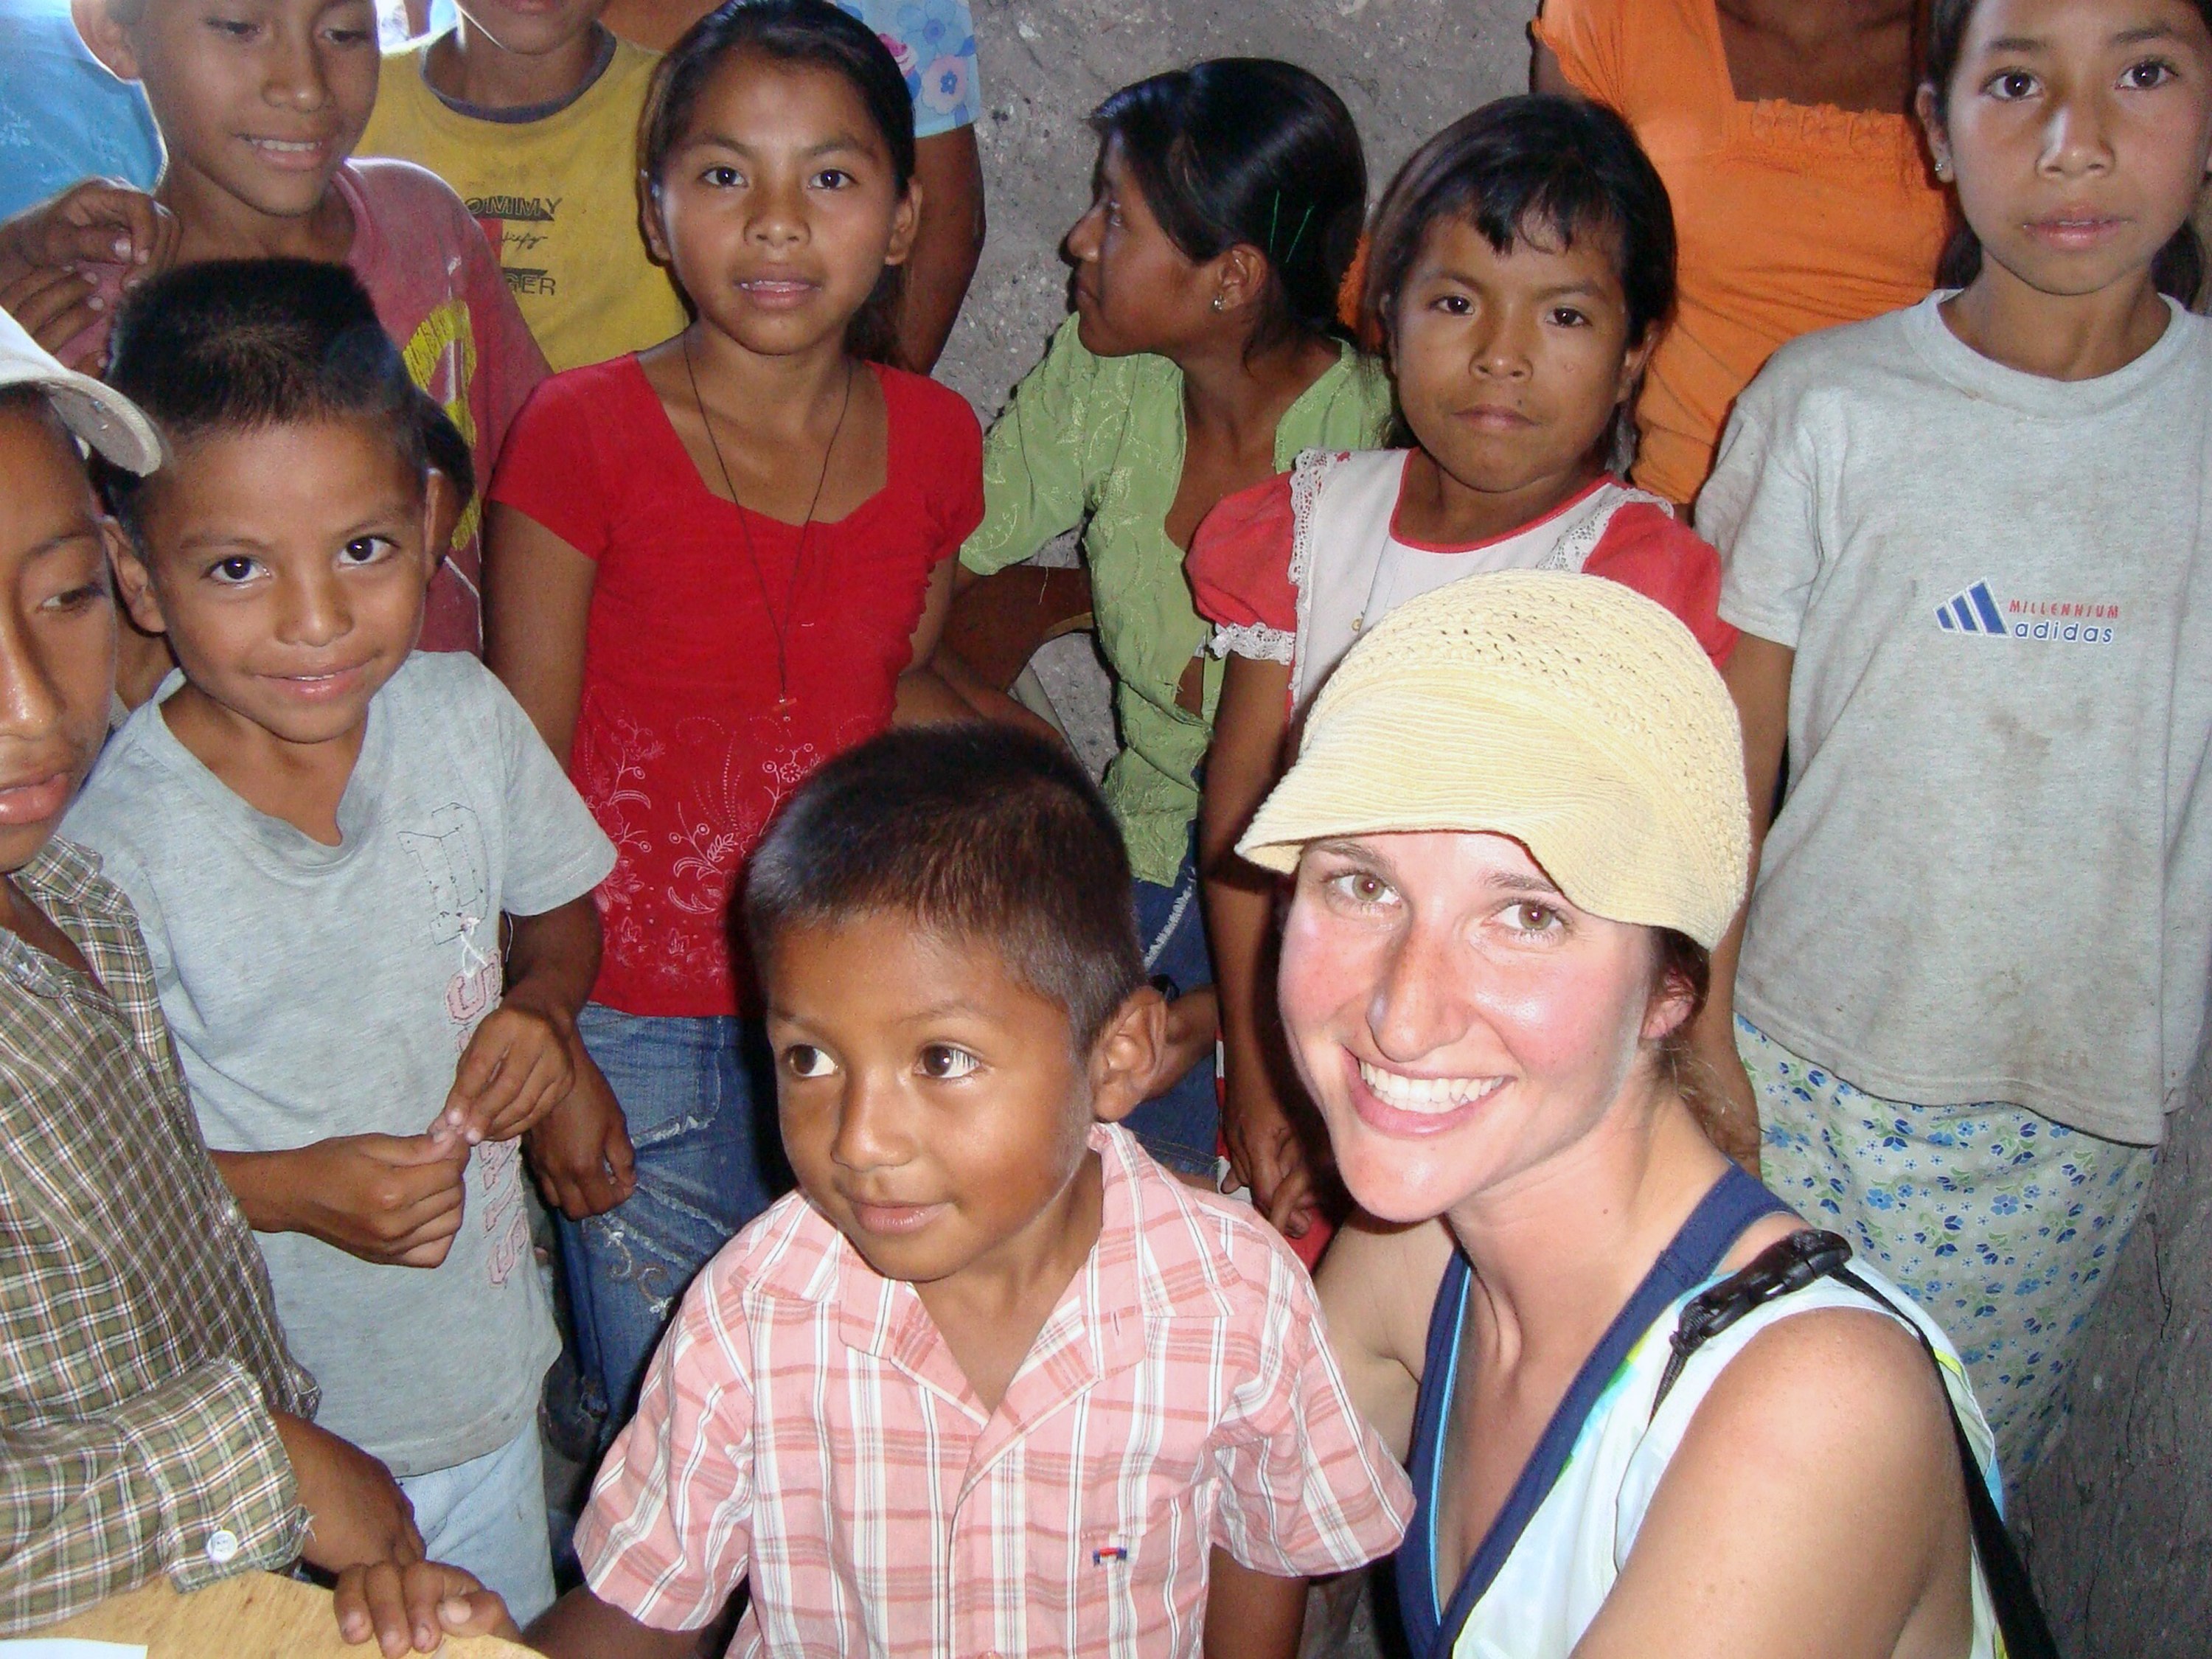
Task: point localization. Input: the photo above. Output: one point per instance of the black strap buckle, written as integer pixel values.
(1796, 1262)
(1788, 1265)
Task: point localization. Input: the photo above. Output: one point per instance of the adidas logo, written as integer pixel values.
(2069, 621)
(1974, 612)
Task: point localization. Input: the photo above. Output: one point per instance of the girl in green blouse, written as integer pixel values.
(1203, 356)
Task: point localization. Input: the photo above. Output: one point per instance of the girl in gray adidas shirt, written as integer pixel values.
(1963, 543)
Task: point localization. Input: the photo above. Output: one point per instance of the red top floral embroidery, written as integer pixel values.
(679, 749)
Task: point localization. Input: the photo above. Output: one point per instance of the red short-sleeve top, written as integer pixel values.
(1240, 565)
(680, 747)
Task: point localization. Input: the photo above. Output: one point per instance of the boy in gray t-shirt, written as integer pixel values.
(323, 837)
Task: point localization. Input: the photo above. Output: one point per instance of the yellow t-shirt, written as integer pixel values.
(554, 193)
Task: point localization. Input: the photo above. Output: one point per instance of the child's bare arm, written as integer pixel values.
(1252, 1616)
(579, 1626)
(946, 244)
(518, 1064)
(924, 698)
(1241, 766)
(1757, 675)
(538, 605)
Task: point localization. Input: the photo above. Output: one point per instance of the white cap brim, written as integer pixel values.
(103, 418)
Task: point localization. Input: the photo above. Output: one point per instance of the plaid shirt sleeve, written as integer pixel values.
(1308, 1487)
(140, 1357)
(188, 1478)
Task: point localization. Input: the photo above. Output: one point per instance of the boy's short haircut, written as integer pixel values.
(238, 345)
(977, 831)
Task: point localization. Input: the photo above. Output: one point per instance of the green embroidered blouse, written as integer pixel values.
(1100, 439)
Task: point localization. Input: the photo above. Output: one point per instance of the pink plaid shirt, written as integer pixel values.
(806, 1425)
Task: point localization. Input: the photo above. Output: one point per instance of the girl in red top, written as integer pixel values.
(715, 565)
(1521, 267)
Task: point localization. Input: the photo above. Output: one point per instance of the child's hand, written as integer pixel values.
(356, 1513)
(581, 1150)
(98, 221)
(1268, 1154)
(417, 1607)
(515, 1069)
(56, 305)
(393, 1200)
(68, 262)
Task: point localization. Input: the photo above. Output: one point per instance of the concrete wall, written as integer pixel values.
(2121, 1515)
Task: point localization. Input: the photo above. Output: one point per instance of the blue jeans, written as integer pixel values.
(1182, 1128)
(700, 1098)
(488, 1515)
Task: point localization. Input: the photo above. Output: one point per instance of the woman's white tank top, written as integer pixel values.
(1563, 1566)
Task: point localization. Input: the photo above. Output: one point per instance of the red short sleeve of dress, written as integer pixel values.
(938, 430)
(548, 469)
(1240, 565)
(1662, 558)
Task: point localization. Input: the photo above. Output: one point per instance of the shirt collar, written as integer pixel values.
(1151, 1262)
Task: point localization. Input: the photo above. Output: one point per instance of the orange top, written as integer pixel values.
(1791, 217)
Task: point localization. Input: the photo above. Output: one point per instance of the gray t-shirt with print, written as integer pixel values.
(1991, 878)
(320, 991)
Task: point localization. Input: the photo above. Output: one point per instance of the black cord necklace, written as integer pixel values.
(777, 625)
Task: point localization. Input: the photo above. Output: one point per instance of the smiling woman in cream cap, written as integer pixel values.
(1516, 826)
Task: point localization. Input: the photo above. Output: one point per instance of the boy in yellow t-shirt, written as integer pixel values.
(530, 112)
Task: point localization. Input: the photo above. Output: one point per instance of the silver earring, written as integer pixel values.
(1220, 304)
(1943, 169)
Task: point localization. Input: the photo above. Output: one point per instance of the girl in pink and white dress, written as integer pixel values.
(1523, 266)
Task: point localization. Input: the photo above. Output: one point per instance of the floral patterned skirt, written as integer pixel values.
(2001, 1225)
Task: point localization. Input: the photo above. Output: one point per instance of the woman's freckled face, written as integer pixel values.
(1455, 1018)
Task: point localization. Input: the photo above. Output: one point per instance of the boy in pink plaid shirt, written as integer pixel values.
(992, 1382)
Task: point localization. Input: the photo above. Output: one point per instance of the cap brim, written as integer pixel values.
(1518, 774)
(102, 416)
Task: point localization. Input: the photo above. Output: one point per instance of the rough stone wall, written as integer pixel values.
(2121, 1514)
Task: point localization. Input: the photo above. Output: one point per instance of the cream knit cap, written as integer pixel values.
(1567, 711)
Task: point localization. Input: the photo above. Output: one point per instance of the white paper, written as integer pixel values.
(68, 1647)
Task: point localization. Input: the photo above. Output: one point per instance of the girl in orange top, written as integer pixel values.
(1802, 194)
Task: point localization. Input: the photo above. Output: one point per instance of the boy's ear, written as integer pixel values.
(105, 37)
(906, 223)
(441, 517)
(132, 580)
(1127, 1055)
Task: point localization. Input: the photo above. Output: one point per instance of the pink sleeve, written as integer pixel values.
(509, 365)
(1239, 568)
(668, 1534)
(1308, 1487)
(550, 470)
(1646, 548)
